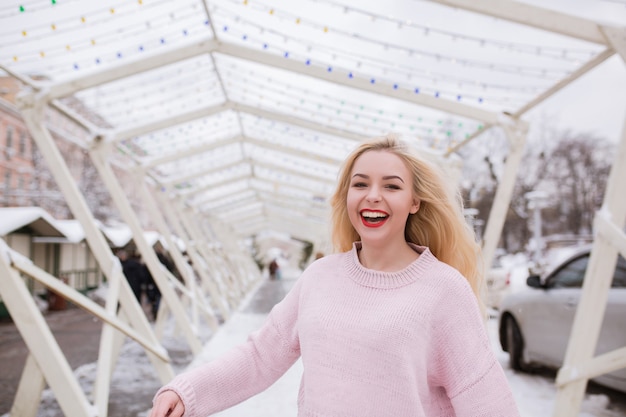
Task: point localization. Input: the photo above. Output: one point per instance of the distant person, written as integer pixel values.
(153, 293)
(274, 269)
(133, 270)
(392, 325)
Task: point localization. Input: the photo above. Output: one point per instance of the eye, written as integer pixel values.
(359, 185)
(393, 187)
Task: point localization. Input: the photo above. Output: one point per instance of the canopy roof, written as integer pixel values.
(33, 220)
(245, 109)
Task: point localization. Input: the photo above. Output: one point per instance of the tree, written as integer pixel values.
(571, 168)
(578, 170)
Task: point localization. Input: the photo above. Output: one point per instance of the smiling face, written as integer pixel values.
(380, 198)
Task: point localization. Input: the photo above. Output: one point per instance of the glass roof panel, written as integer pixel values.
(252, 105)
(61, 39)
(415, 46)
(178, 138)
(152, 95)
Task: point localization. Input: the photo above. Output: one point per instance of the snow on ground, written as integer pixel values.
(134, 379)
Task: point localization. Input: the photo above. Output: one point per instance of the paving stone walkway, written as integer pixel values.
(78, 334)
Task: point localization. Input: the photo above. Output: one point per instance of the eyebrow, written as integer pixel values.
(386, 177)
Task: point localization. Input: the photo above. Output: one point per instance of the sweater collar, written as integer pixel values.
(387, 280)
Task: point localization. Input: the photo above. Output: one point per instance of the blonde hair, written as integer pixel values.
(439, 223)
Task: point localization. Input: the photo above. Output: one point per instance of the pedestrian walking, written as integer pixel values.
(273, 269)
(390, 325)
(134, 272)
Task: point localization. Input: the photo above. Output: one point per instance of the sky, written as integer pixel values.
(596, 102)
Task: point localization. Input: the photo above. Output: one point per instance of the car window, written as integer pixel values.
(570, 275)
(619, 279)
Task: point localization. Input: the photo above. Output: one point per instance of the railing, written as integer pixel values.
(82, 280)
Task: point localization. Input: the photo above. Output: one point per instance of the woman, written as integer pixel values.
(389, 326)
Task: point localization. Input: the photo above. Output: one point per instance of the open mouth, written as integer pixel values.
(373, 218)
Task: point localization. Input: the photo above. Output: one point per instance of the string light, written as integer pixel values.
(326, 102)
(79, 46)
(555, 53)
(71, 24)
(551, 52)
(438, 94)
(395, 85)
(526, 71)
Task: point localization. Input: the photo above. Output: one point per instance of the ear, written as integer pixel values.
(415, 207)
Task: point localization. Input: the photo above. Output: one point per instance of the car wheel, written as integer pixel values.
(515, 344)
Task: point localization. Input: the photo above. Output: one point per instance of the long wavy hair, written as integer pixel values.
(439, 223)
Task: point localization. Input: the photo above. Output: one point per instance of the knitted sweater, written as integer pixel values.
(409, 343)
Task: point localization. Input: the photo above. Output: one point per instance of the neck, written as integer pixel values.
(389, 258)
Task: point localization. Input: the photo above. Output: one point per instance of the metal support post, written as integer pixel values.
(182, 265)
(516, 131)
(99, 153)
(579, 364)
(46, 360)
(32, 108)
(176, 220)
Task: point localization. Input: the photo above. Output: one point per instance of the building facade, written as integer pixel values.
(25, 178)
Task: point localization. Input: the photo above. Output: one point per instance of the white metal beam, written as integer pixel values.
(293, 172)
(28, 395)
(537, 17)
(189, 152)
(225, 200)
(292, 151)
(190, 176)
(127, 68)
(218, 203)
(183, 267)
(211, 283)
(516, 131)
(335, 77)
(191, 192)
(294, 120)
(609, 225)
(584, 69)
(99, 156)
(165, 122)
(41, 344)
(281, 213)
(238, 139)
(32, 108)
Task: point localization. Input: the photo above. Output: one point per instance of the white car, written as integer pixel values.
(535, 325)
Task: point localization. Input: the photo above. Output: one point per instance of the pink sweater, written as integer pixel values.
(373, 344)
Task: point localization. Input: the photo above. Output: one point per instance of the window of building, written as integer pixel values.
(22, 145)
(9, 143)
(8, 147)
(7, 180)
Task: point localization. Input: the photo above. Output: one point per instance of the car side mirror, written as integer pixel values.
(534, 281)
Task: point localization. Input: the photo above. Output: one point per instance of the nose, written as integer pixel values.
(373, 195)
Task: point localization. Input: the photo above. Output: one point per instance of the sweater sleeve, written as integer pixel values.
(246, 370)
(465, 364)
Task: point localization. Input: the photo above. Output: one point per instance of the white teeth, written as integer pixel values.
(373, 214)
